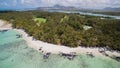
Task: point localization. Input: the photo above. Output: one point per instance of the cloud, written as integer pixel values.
(83, 3)
(28, 1)
(14, 2)
(4, 4)
(76, 3)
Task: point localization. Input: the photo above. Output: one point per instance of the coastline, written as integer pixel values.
(52, 48)
(4, 25)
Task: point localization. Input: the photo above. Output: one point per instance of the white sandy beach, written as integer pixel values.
(55, 49)
(4, 25)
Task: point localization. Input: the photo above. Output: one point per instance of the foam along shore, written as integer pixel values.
(55, 49)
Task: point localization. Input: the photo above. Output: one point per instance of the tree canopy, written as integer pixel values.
(67, 29)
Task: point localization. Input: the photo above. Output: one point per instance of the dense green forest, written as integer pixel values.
(67, 29)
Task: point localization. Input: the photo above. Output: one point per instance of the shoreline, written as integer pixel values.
(4, 25)
(52, 48)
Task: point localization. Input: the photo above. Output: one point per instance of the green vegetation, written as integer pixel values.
(67, 29)
(40, 20)
(64, 18)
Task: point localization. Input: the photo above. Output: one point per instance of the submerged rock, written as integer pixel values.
(46, 55)
(117, 58)
(90, 54)
(19, 36)
(69, 56)
(3, 31)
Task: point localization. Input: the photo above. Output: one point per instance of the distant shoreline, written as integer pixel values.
(55, 49)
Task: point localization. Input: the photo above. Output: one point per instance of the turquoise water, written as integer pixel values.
(86, 13)
(14, 53)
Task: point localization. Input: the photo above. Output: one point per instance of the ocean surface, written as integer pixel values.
(14, 53)
(86, 13)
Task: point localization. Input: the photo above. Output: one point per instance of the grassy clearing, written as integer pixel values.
(40, 20)
(65, 18)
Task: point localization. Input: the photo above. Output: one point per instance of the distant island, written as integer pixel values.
(112, 9)
(57, 7)
(107, 10)
(72, 8)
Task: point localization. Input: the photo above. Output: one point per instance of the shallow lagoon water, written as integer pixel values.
(14, 53)
(86, 13)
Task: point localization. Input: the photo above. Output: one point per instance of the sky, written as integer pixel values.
(97, 4)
